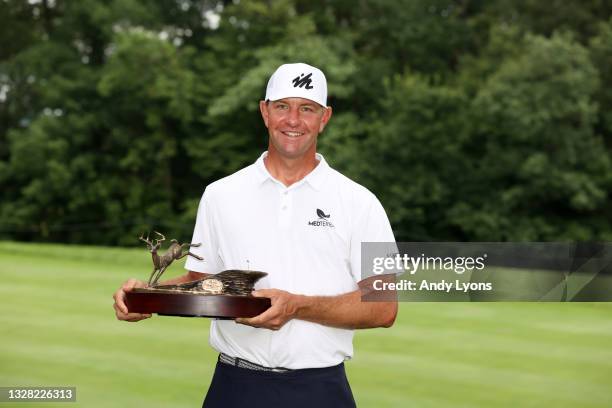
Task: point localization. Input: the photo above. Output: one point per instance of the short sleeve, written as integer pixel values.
(372, 231)
(204, 234)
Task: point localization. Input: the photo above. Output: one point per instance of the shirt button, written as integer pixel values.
(284, 207)
(285, 192)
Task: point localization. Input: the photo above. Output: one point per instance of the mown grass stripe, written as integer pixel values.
(58, 325)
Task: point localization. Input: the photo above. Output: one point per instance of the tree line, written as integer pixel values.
(470, 120)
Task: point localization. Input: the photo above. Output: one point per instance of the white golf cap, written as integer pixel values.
(297, 81)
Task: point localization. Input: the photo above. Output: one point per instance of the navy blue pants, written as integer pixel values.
(313, 387)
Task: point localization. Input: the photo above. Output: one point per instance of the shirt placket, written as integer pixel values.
(286, 208)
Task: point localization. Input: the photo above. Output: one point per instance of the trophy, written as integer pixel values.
(224, 295)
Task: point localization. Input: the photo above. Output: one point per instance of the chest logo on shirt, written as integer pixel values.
(322, 221)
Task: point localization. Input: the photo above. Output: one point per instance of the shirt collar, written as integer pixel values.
(315, 178)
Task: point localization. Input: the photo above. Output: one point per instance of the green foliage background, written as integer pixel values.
(471, 120)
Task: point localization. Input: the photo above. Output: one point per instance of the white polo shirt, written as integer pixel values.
(307, 237)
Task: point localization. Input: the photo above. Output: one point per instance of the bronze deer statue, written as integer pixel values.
(161, 262)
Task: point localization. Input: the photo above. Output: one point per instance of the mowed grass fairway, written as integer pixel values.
(58, 328)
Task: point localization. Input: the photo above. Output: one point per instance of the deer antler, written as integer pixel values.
(158, 241)
(146, 240)
(163, 238)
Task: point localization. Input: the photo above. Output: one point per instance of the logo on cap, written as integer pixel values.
(301, 80)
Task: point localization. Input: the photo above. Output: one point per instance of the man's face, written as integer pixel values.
(293, 125)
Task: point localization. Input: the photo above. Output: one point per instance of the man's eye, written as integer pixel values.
(281, 107)
(307, 109)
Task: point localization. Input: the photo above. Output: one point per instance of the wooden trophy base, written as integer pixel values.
(181, 303)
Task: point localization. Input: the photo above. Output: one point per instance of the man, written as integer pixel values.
(291, 215)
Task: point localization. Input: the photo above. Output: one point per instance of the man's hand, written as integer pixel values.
(283, 309)
(121, 309)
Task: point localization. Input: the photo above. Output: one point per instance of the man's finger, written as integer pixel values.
(269, 293)
(120, 313)
(134, 317)
(130, 317)
(129, 285)
(119, 301)
(139, 317)
(259, 319)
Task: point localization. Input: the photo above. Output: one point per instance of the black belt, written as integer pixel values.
(239, 362)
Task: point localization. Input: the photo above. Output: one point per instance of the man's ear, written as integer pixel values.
(263, 108)
(327, 113)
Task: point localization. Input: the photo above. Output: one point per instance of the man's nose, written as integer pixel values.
(293, 119)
